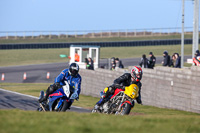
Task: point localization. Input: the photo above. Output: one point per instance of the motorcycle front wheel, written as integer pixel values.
(66, 105)
(125, 109)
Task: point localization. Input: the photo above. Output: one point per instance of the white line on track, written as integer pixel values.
(28, 96)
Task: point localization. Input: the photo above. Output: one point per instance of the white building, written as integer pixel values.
(85, 52)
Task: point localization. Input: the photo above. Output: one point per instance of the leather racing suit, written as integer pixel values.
(74, 81)
(122, 82)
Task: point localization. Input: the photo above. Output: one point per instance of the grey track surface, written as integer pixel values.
(12, 100)
(37, 73)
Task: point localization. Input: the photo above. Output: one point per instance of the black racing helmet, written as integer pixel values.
(73, 69)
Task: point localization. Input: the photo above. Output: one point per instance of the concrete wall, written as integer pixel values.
(162, 87)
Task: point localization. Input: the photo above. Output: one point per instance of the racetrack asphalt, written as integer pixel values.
(37, 73)
(15, 100)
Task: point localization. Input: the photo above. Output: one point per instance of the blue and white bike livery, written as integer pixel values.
(60, 100)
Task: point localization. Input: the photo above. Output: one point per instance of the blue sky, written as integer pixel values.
(71, 15)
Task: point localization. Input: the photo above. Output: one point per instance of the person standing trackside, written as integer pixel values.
(152, 60)
(113, 64)
(118, 63)
(77, 58)
(144, 62)
(196, 59)
(90, 64)
(178, 61)
(173, 60)
(166, 60)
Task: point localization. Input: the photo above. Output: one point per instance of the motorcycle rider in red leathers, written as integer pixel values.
(125, 80)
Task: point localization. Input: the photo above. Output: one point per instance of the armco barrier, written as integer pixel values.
(101, 44)
(161, 87)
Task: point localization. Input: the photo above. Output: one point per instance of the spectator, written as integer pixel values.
(178, 61)
(77, 58)
(173, 60)
(166, 60)
(119, 63)
(144, 62)
(90, 64)
(152, 60)
(86, 62)
(196, 59)
(113, 65)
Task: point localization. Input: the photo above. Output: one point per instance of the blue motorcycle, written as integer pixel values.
(60, 100)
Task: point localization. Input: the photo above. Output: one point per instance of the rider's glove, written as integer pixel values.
(74, 96)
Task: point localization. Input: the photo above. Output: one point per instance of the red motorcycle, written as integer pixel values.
(121, 101)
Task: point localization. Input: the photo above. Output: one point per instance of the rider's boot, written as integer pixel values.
(49, 91)
(103, 99)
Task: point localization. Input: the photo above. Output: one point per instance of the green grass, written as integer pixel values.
(39, 56)
(71, 122)
(142, 119)
(106, 39)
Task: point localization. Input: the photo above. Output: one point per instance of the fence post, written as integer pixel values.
(110, 34)
(50, 35)
(75, 34)
(41, 35)
(58, 34)
(24, 35)
(6, 35)
(66, 35)
(32, 35)
(15, 35)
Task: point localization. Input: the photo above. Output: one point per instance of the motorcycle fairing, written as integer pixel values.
(56, 95)
(126, 102)
(116, 92)
(132, 91)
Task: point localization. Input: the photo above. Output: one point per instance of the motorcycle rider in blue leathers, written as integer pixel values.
(71, 76)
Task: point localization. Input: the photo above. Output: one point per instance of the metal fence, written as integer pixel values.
(93, 33)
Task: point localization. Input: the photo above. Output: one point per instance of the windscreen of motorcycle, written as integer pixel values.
(66, 89)
(132, 91)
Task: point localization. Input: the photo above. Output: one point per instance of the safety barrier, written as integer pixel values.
(163, 87)
(101, 44)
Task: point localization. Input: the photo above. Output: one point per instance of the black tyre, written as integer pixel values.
(125, 109)
(66, 105)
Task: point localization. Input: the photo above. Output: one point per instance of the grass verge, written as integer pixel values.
(71, 122)
(39, 56)
(103, 39)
